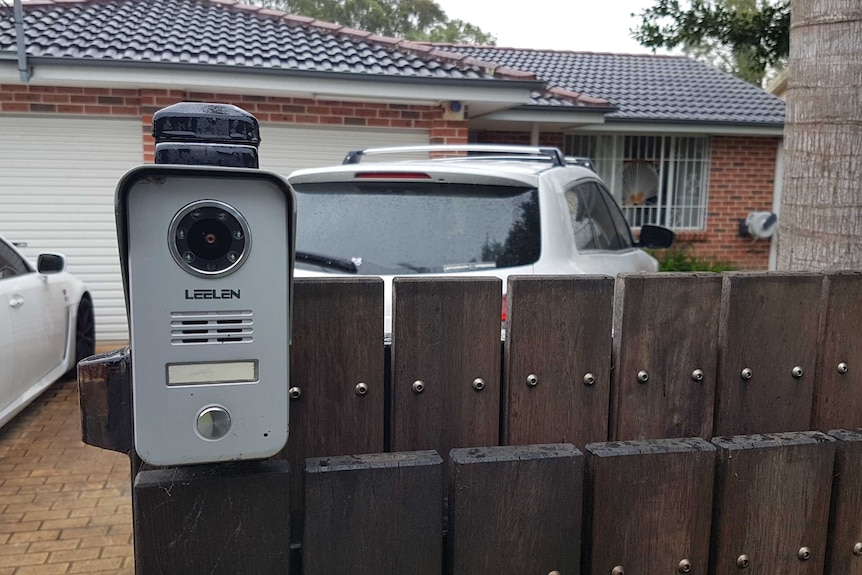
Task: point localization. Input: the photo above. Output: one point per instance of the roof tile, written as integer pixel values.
(220, 32)
(642, 87)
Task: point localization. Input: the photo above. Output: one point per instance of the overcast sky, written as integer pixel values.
(579, 25)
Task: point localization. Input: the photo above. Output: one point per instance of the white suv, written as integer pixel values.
(491, 210)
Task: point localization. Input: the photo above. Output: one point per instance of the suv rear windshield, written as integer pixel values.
(403, 228)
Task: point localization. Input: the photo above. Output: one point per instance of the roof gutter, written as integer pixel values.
(21, 43)
(687, 122)
(633, 124)
(692, 127)
(311, 74)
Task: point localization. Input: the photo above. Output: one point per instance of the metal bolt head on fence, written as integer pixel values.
(742, 561)
(361, 388)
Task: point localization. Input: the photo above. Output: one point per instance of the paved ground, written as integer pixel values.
(65, 507)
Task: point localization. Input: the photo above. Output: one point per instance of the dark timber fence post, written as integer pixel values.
(446, 363)
(838, 392)
(648, 507)
(558, 330)
(664, 382)
(844, 544)
(515, 509)
(771, 504)
(374, 514)
(768, 336)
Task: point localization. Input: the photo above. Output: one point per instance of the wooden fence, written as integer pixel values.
(652, 424)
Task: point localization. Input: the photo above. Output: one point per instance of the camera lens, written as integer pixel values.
(209, 238)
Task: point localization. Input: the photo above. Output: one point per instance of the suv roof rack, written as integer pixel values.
(553, 154)
(580, 161)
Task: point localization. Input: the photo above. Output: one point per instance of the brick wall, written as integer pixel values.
(742, 180)
(144, 102)
(742, 169)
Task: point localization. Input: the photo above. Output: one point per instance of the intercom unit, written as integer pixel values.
(207, 256)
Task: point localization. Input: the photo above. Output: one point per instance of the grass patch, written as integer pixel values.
(682, 260)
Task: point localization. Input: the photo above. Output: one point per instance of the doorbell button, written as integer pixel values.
(213, 423)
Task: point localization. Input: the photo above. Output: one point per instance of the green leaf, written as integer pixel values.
(421, 20)
(743, 37)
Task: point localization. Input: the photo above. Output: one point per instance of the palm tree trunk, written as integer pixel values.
(821, 204)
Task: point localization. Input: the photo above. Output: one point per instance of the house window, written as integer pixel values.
(660, 180)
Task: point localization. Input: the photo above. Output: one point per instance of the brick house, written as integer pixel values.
(679, 143)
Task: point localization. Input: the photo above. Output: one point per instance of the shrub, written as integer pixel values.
(681, 259)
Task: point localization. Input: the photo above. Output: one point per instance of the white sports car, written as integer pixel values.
(46, 326)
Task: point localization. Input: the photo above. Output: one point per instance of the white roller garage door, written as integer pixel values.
(284, 149)
(57, 181)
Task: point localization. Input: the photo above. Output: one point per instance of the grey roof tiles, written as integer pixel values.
(226, 33)
(644, 87)
(211, 33)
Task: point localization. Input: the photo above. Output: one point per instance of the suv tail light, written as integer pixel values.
(503, 313)
(391, 176)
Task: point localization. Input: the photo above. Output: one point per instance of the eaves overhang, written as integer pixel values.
(490, 94)
(550, 118)
(570, 119)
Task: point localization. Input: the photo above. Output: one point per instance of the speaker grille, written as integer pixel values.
(211, 327)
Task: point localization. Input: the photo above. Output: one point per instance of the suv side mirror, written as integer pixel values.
(655, 237)
(50, 263)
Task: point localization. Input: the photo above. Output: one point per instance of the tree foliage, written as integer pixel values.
(744, 37)
(422, 20)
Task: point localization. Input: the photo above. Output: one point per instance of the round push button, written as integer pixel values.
(213, 423)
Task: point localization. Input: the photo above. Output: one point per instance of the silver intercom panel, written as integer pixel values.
(207, 257)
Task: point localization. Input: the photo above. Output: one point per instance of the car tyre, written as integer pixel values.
(85, 331)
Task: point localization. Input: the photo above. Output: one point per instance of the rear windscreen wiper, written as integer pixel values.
(327, 262)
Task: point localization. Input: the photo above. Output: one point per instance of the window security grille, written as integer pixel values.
(660, 180)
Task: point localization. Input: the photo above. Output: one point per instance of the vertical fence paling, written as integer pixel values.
(665, 355)
(446, 340)
(844, 544)
(772, 503)
(838, 393)
(372, 514)
(768, 340)
(336, 347)
(515, 510)
(558, 330)
(648, 506)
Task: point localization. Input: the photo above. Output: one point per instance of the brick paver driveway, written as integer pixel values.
(65, 507)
